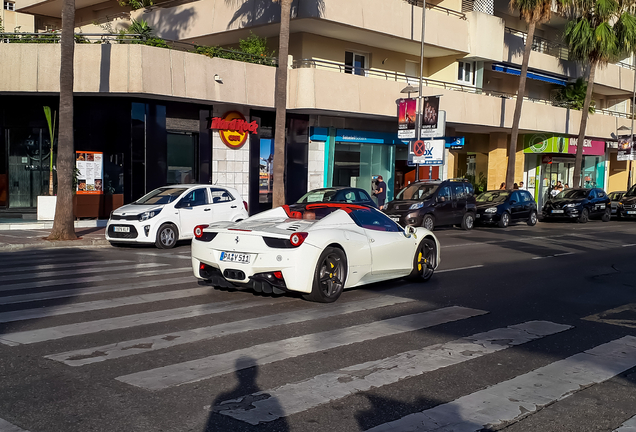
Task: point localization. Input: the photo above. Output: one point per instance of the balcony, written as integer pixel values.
(554, 57)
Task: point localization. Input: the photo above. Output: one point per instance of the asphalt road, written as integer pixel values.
(520, 329)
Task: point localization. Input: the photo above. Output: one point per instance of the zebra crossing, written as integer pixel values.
(360, 319)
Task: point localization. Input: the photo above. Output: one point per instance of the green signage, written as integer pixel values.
(541, 143)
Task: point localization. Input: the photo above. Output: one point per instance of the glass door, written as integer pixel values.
(28, 173)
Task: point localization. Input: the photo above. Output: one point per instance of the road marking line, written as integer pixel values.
(97, 269)
(166, 255)
(37, 268)
(629, 245)
(45, 312)
(628, 426)
(553, 256)
(5, 426)
(460, 268)
(269, 405)
(72, 281)
(48, 295)
(522, 396)
(221, 364)
(127, 321)
(132, 347)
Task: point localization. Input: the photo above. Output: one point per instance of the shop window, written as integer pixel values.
(356, 63)
(10, 6)
(182, 150)
(466, 73)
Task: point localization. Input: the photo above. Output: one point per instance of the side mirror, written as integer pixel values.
(512, 202)
(409, 230)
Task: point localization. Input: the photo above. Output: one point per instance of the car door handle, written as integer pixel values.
(371, 240)
(233, 206)
(207, 209)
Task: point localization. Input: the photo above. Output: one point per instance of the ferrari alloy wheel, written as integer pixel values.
(428, 222)
(607, 215)
(584, 216)
(505, 220)
(329, 277)
(468, 221)
(532, 220)
(424, 261)
(167, 237)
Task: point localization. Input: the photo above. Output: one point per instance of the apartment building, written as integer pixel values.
(149, 109)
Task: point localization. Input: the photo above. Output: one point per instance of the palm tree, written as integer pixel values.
(63, 226)
(598, 31)
(280, 103)
(533, 12)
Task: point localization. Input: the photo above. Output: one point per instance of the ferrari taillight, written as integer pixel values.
(245, 205)
(198, 231)
(296, 239)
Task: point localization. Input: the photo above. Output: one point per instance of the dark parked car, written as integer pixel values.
(349, 195)
(615, 197)
(505, 206)
(627, 205)
(435, 203)
(580, 204)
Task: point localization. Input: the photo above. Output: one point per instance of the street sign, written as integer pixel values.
(433, 153)
(454, 143)
(418, 148)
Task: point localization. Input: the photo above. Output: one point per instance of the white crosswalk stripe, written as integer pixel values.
(91, 290)
(98, 269)
(516, 398)
(269, 405)
(132, 347)
(217, 365)
(628, 426)
(127, 321)
(102, 278)
(5, 426)
(40, 267)
(26, 314)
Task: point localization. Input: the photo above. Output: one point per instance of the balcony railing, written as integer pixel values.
(407, 79)
(539, 44)
(438, 8)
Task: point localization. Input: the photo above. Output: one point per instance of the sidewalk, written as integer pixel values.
(16, 234)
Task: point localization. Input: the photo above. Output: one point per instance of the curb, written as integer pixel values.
(99, 223)
(57, 244)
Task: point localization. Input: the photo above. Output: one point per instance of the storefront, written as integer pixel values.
(355, 157)
(550, 159)
(144, 144)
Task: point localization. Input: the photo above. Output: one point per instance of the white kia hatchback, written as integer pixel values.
(170, 213)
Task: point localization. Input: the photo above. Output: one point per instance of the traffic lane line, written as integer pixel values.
(553, 256)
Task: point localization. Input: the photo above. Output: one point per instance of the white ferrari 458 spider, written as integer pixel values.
(319, 251)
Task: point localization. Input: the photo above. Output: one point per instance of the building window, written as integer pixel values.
(356, 63)
(466, 73)
(9, 6)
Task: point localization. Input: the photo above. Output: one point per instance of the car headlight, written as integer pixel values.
(149, 214)
(491, 210)
(569, 205)
(416, 206)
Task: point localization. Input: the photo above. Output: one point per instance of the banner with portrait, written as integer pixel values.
(407, 111)
(625, 148)
(430, 112)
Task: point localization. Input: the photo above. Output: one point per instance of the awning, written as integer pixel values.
(513, 70)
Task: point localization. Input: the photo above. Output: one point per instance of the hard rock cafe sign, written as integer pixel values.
(233, 129)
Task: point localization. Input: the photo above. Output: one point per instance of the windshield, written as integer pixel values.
(493, 196)
(417, 192)
(163, 195)
(631, 191)
(572, 193)
(316, 196)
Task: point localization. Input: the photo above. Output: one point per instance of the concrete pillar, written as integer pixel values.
(497, 159)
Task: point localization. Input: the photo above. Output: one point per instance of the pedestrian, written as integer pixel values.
(566, 186)
(380, 192)
(520, 185)
(515, 186)
(502, 186)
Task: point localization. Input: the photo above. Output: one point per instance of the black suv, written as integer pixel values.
(435, 203)
(627, 204)
(580, 204)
